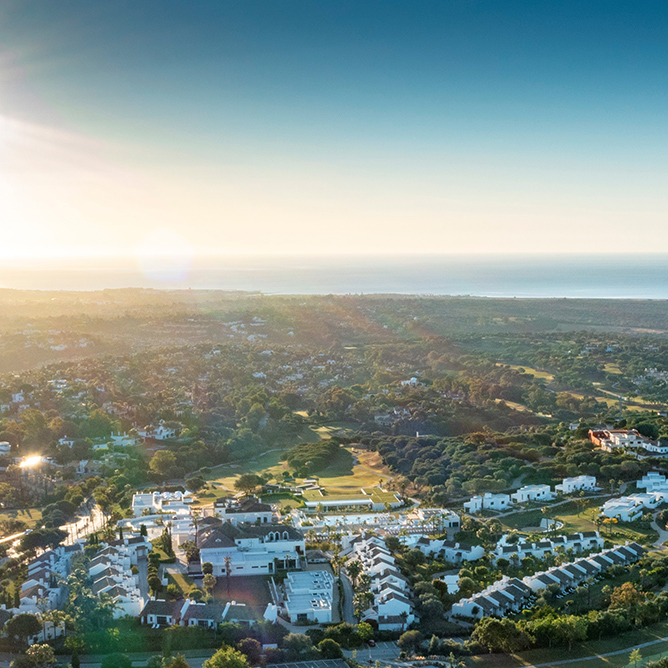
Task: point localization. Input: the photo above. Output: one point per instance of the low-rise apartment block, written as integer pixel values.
(309, 596)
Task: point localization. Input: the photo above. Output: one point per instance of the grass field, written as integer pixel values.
(624, 642)
(544, 375)
(612, 403)
(30, 516)
(577, 519)
(340, 478)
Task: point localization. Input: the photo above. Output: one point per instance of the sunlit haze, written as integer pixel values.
(171, 128)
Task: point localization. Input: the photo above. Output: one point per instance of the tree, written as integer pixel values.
(500, 635)
(252, 649)
(625, 596)
(41, 655)
(227, 657)
(298, 647)
(209, 582)
(635, 656)
(330, 649)
(207, 568)
(116, 660)
(410, 641)
(246, 483)
(354, 569)
(23, 626)
(364, 631)
(163, 463)
(179, 661)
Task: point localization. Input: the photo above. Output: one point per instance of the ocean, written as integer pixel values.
(573, 276)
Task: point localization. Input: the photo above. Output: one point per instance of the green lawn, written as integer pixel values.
(340, 478)
(182, 581)
(576, 519)
(30, 516)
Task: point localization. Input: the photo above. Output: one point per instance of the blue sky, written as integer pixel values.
(406, 126)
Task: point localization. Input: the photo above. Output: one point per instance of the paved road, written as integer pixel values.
(91, 520)
(663, 534)
(348, 610)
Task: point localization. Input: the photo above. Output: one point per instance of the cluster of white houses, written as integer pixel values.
(451, 551)
(510, 595)
(391, 608)
(632, 507)
(529, 493)
(44, 587)
(586, 541)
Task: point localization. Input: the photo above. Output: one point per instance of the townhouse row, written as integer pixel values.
(510, 595)
(111, 573)
(391, 608)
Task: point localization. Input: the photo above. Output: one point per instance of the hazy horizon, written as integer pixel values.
(499, 275)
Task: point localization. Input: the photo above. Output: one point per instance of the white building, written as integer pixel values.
(161, 502)
(652, 481)
(159, 433)
(448, 550)
(581, 482)
(626, 439)
(504, 596)
(252, 549)
(487, 501)
(625, 508)
(309, 596)
(5, 447)
(391, 608)
(533, 493)
(247, 510)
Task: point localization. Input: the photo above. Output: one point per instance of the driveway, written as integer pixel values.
(348, 610)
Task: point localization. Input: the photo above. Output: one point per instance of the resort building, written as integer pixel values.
(252, 549)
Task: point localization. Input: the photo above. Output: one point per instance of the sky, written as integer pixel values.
(350, 127)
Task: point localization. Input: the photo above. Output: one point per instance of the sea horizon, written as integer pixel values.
(576, 276)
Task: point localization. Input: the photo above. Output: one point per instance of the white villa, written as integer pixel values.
(611, 439)
(448, 550)
(247, 510)
(581, 482)
(487, 501)
(533, 493)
